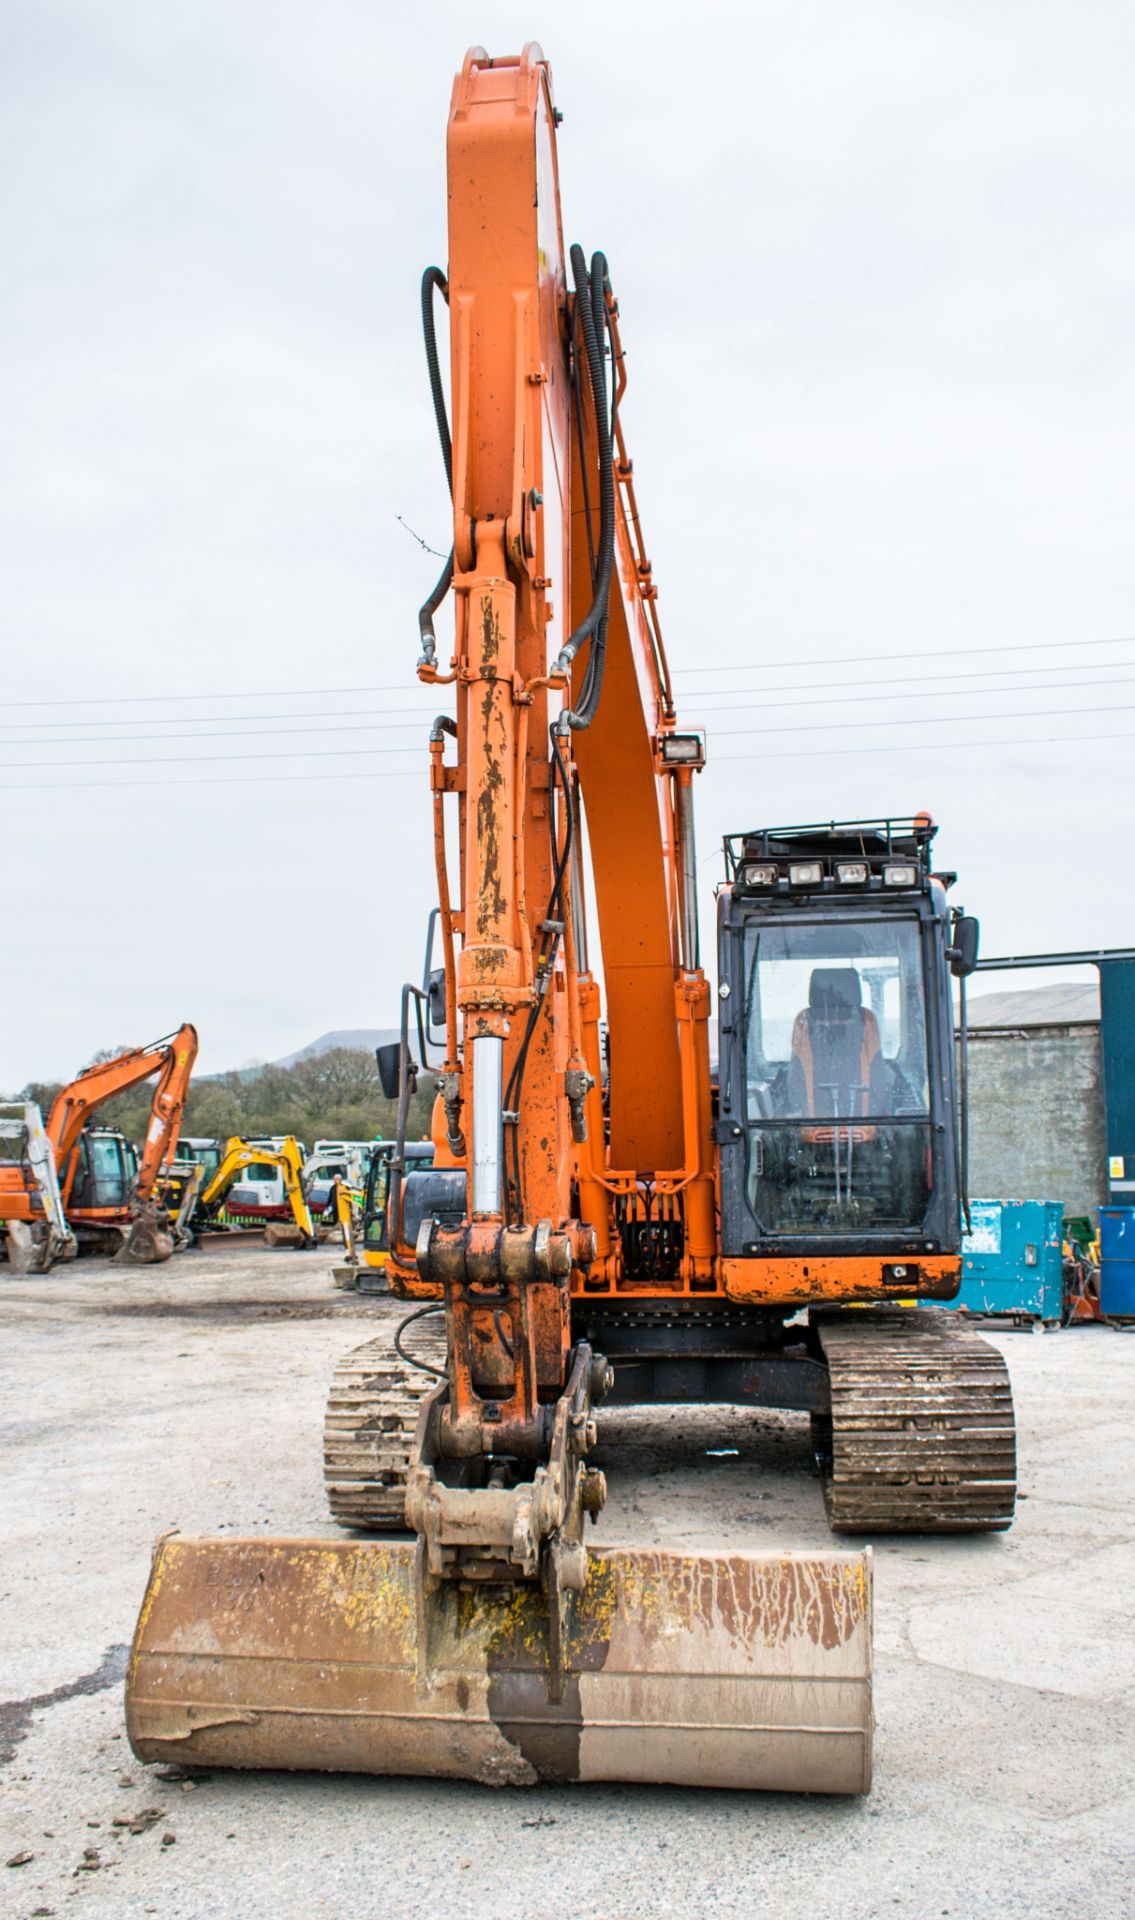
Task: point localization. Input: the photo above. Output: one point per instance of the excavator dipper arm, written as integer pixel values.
(497, 1646)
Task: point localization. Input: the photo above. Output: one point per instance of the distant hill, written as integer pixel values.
(1012, 1007)
(1034, 1006)
(359, 1039)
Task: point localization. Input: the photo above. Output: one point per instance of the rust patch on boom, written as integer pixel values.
(490, 898)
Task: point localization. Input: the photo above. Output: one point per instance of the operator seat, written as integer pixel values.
(837, 1070)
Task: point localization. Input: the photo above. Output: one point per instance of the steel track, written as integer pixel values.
(921, 1437)
(372, 1416)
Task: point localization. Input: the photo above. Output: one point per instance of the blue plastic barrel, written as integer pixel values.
(1117, 1262)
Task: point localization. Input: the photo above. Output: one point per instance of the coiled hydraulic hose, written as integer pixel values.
(433, 278)
(591, 288)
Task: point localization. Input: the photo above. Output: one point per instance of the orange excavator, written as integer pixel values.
(606, 1219)
(108, 1206)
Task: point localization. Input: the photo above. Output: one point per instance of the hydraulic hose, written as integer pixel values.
(591, 313)
(434, 279)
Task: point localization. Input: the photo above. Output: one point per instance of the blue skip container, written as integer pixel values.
(1012, 1259)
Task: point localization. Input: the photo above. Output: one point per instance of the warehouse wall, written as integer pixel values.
(1036, 1116)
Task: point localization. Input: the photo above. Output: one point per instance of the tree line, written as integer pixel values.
(332, 1095)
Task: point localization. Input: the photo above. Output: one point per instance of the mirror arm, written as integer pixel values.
(963, 1101)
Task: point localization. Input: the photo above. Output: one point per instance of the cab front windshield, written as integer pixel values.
(836, 1084)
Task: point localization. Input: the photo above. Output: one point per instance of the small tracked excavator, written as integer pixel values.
(606, 1222)
(108, 1202)
(240, 1154)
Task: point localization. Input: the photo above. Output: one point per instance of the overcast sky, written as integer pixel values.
(876, 267)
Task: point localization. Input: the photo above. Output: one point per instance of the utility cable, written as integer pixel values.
(930, 653)
(215, 759)
(398, 725)
(402, 721)
(727, 694)
(399, 773)
(861, 660)
(713, 732)
(943, 720)
(861, 699)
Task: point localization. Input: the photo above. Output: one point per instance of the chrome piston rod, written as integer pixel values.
(488, 1135)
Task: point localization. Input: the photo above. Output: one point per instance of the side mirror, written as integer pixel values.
(436, 998)
(389, 1063)
(963, 953)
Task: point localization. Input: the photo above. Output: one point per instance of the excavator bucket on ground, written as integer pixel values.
(148, 1239)
(707, 1670)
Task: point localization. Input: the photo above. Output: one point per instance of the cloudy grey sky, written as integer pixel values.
(876, 269)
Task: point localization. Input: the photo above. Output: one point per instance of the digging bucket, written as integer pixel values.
(708, 1670)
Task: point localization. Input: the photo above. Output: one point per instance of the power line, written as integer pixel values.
(859, 726)
(215, 759)
(931, 653)
(914, 687)
(233, 719)
(402, 720)
(399, 722)
(420, 723)
(913, 693)
(939, 746)
(396, 773)
(427, 713)
(351, 753)
(862, 660)
(262, 693)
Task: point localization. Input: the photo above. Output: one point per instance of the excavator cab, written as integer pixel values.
(104, 1175)
(838, 1115)
(418, 1156)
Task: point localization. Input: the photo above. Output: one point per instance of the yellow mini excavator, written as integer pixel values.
(606, 1220)
(238, 1155)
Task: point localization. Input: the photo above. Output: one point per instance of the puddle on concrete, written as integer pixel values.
(16, 1715)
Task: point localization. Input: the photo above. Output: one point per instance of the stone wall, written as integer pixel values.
(1036, 1116)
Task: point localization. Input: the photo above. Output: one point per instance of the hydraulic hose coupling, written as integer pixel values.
(577, 1085)
(449, 1087)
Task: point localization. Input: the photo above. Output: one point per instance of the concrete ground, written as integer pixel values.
(191, 1394)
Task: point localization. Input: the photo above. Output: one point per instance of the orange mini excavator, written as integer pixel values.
(606, 1221)
(107, 1204)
